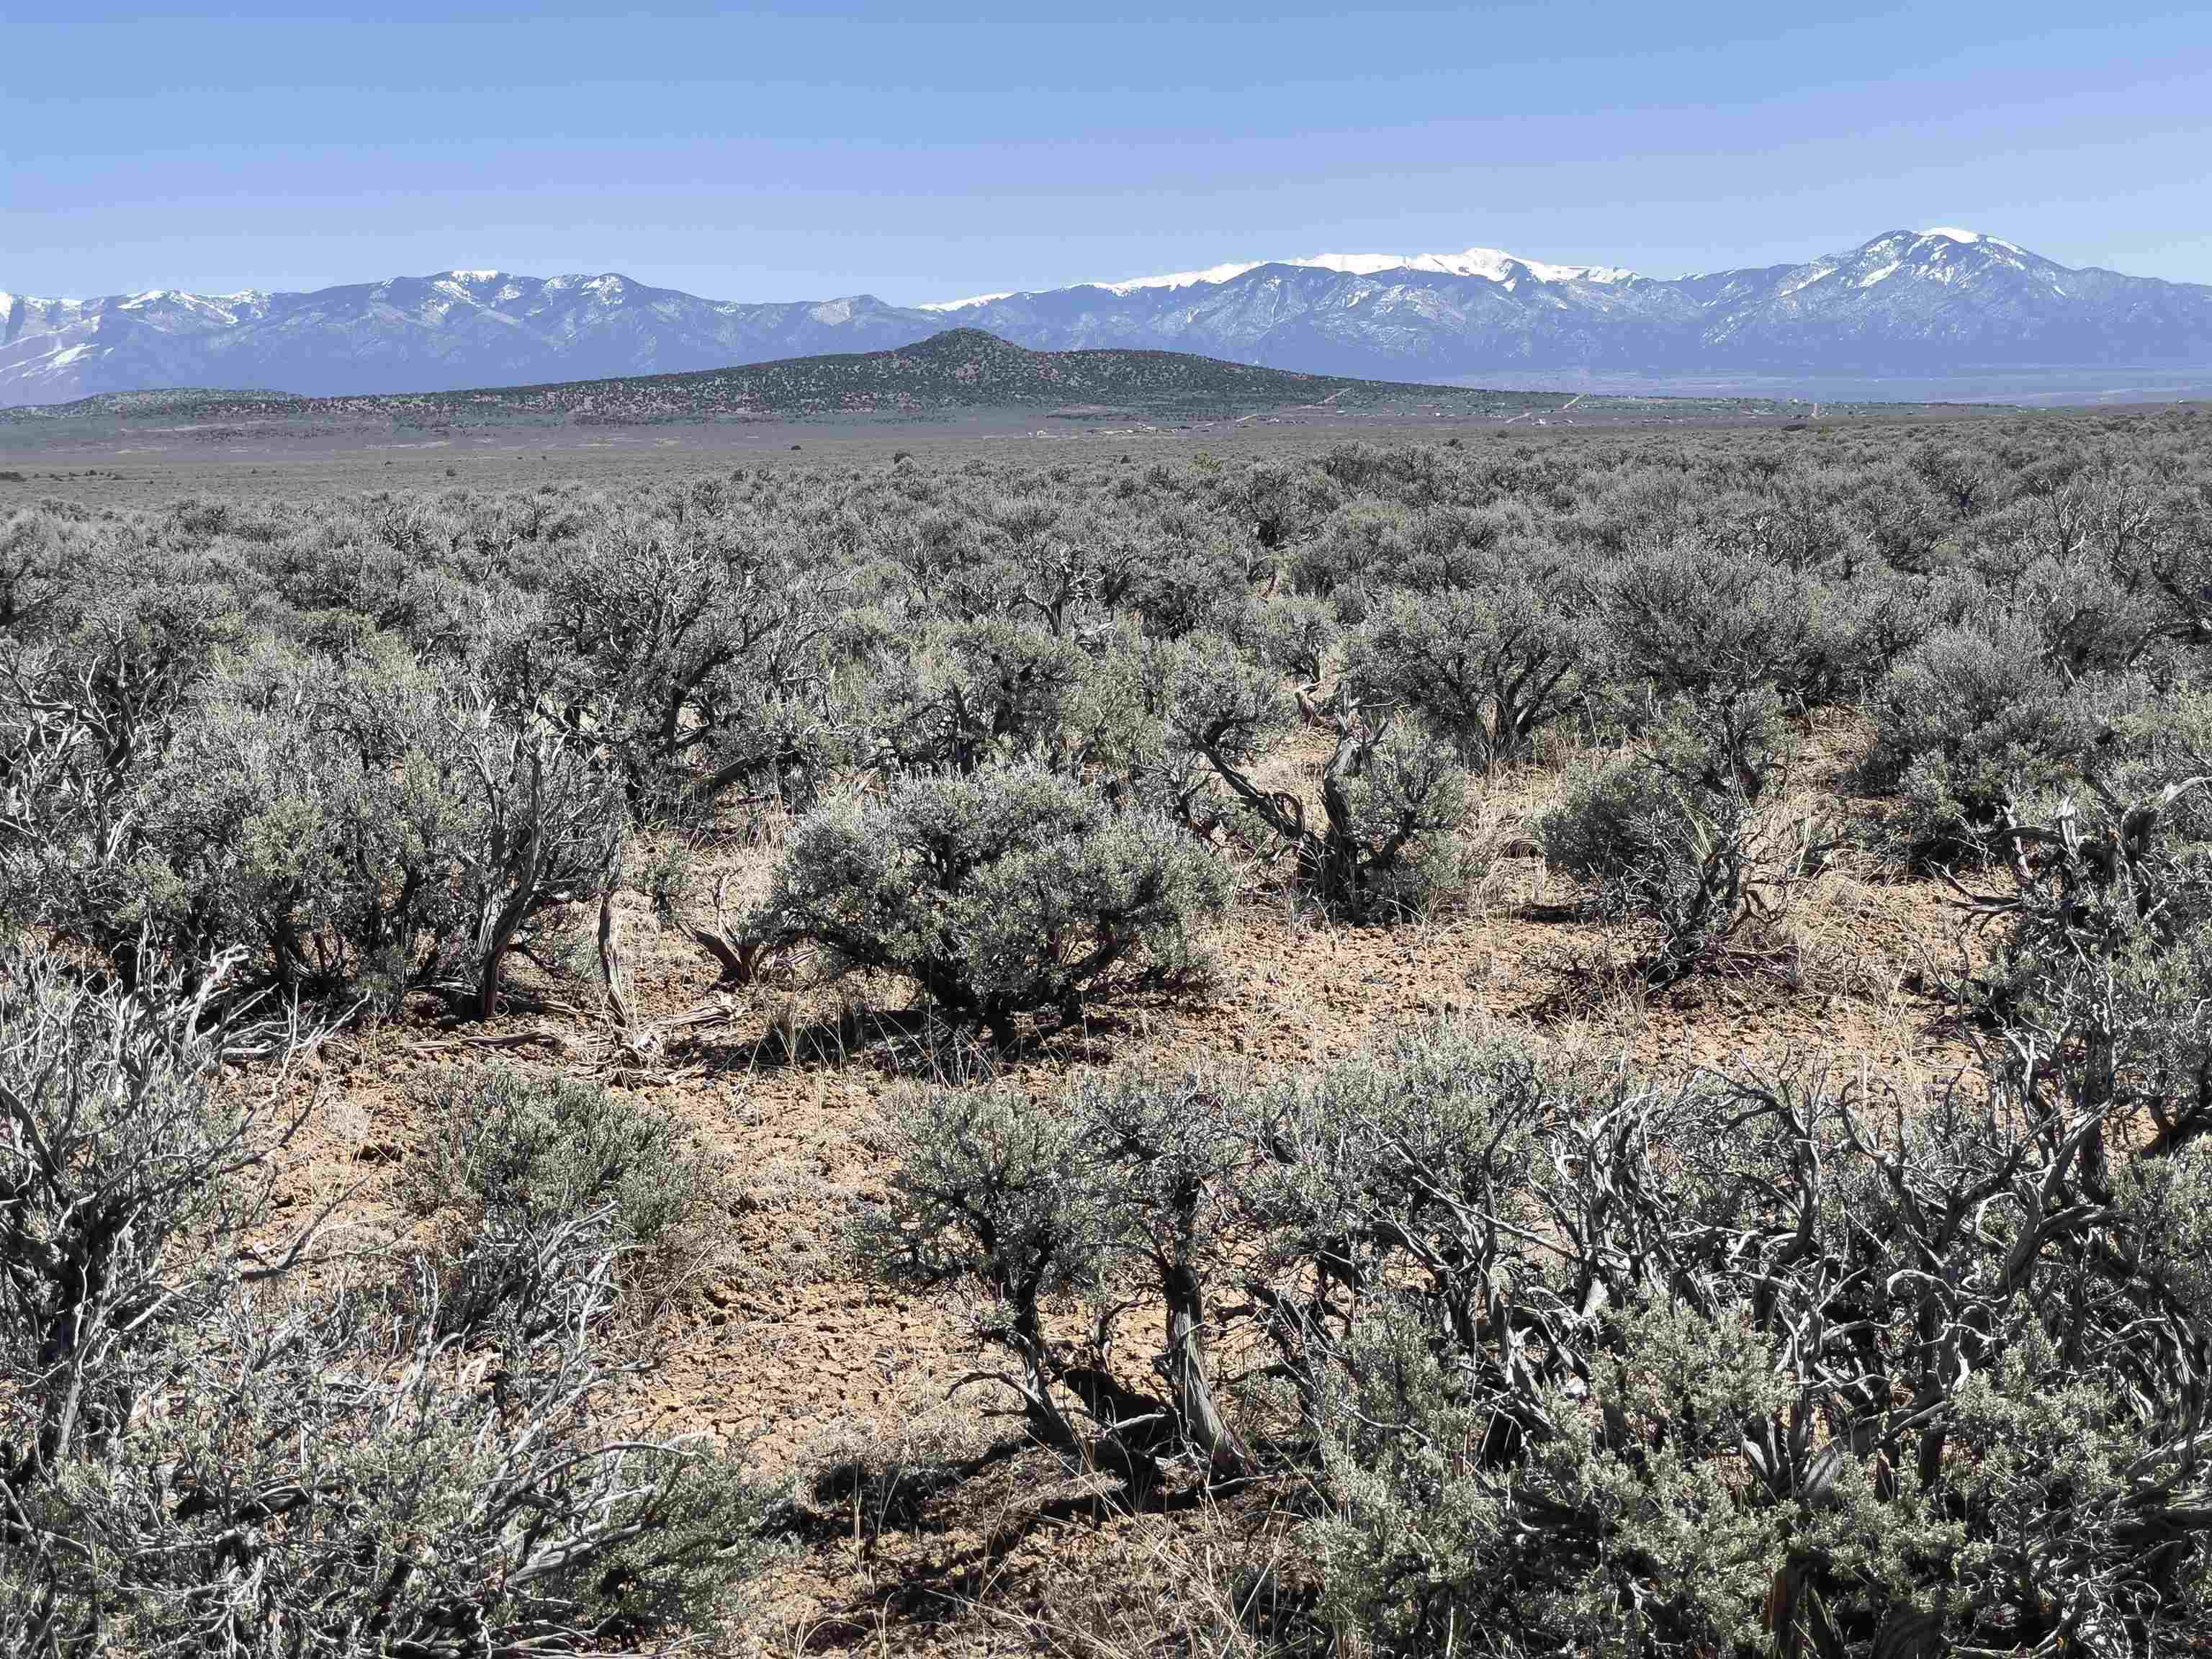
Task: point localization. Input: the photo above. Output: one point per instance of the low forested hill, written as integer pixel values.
(960, 369)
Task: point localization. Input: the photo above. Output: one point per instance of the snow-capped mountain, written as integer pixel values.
(438, 333)
(1494, 264)
(1920, 303)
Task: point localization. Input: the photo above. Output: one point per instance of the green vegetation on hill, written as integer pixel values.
(961, 369)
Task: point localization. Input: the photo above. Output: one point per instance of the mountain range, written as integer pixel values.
(1916, 303)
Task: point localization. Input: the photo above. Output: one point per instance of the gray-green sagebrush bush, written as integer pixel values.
(2096, 915)
(1969, 719)
(1390, 798)
(1032, 1203)
(354, 830)
(1009, 890)
(1626, 831)
(1297, 636)
(203, 1451)
(87, 709)
(1367, 545)
(1818, 1408)
(529, 1179)
(1724, 645)
(682, 625)
(1676, 836)
(311, 817)
(1579, 1359)
(1485, 666)
(996, 689)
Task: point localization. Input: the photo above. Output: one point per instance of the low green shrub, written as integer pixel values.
(1972, 718)
(1391, 798)
(1610, 825)
(213, 1437)
(1486, 667)
(1006, 891)
(1674, 839)
(526, 1176)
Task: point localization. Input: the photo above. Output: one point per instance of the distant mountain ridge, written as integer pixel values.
(443, 332)
(1905, 303)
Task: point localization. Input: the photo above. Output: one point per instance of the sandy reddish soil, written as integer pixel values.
(779, 1350)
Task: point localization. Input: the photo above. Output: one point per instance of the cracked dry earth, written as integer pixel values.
(778, 1349)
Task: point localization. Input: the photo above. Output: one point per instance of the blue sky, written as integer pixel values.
(923, 153)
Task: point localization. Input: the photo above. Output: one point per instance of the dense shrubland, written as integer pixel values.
(204, 1448)
(1541, 1354)
(379, 746)
(1579, 1358)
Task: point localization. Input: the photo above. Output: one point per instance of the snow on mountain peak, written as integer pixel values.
(961, 304)
(1906, 301)
(1944, 238)
(1210, 275)
(1493, 264)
